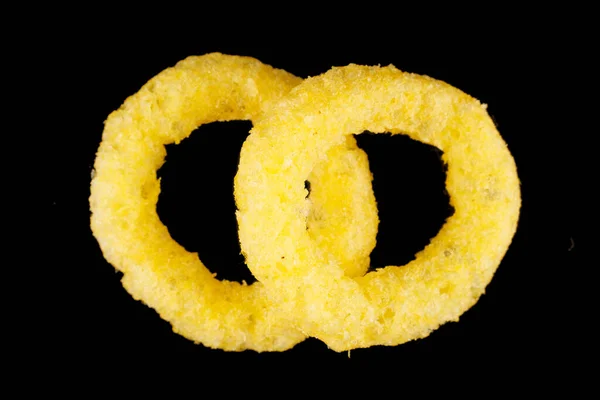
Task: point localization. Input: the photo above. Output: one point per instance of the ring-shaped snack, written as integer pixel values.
(391, 305)
(125, 189)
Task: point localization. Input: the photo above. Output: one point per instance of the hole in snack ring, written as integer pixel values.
(196, 200)
(409, 185)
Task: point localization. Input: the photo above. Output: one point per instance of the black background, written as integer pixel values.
(521, 324)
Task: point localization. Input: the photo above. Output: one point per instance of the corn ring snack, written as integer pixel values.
(161, 273)
(392, 305)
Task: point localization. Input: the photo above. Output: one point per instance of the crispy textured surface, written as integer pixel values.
(125, 189)
(391, 305)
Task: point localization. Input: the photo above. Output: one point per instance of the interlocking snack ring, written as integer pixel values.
(160, 272)
(395, 304)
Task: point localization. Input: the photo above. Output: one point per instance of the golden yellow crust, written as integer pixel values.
(125, 189)
(391, 305)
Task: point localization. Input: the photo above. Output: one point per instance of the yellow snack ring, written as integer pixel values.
(125, 190)
(392, 305)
